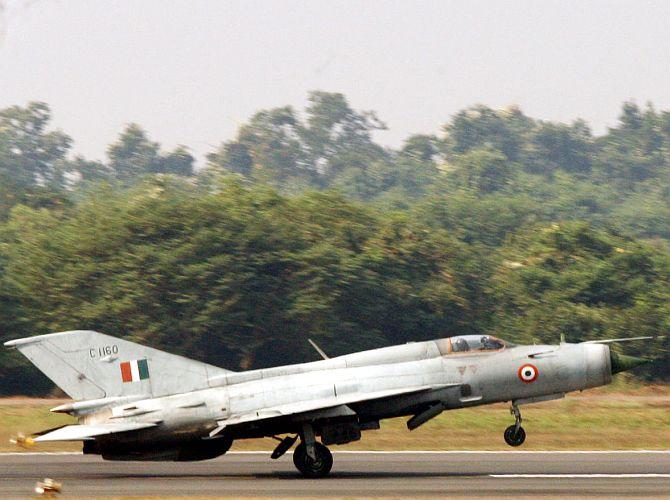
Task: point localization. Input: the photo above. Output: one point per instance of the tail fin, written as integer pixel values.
(91, 365)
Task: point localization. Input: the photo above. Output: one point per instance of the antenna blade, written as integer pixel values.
(611, 341)
(318, 349)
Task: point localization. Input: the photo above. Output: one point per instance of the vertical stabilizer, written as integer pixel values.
(92, 365)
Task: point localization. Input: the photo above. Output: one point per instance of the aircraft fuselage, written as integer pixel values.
(459, 379)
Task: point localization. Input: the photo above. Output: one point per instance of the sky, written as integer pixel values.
(191, 72)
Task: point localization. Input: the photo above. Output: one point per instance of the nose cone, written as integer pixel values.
(622, 363)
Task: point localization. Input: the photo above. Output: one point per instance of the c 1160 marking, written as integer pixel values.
(101, 352)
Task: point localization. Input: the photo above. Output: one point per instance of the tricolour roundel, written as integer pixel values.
(528, 373)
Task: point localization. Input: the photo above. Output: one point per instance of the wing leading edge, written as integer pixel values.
(308, 407)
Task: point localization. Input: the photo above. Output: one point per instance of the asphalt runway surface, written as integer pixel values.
(403, 474)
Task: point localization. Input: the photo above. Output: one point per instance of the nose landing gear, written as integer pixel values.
(515, 435)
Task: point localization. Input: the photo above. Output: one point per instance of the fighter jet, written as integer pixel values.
(138, 403)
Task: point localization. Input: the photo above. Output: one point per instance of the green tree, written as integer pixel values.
(481, 127)
(337, 137)
(269, 148)
(133, 156)
(557, 146)
(277, 148)
(485, 170)
(30, 155)
(633, 151)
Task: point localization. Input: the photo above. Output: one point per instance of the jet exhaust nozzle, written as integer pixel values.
(622, 363)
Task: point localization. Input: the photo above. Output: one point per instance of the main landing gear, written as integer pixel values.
(514, 434)
(310, 457)
(313, 467)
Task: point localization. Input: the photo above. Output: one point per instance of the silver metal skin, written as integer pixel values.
(188, 410)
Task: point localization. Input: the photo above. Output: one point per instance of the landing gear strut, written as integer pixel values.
(310, 457)
(514, 434)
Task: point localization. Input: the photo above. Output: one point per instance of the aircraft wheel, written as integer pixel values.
(514, 437)
(313, 468)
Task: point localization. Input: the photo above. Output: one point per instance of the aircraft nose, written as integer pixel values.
(622, 363)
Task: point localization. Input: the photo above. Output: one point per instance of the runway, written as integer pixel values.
(361, 474)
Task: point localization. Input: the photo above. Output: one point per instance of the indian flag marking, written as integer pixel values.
(132, 371)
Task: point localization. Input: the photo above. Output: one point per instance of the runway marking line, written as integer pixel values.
(33, 453)
(576, 476)
(491, 452)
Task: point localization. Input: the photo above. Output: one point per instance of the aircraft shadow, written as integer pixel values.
(293, 475)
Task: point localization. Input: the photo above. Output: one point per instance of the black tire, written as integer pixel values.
(514, 437)
(313, 468)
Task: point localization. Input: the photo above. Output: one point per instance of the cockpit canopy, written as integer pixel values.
(466, 343)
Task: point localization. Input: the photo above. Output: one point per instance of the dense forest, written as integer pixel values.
(303, 226)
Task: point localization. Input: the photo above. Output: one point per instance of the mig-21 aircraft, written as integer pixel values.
(138, 403)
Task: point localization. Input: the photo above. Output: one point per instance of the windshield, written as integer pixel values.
(467, 343)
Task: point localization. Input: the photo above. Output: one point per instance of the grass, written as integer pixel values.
(31, 415)
(619, 418)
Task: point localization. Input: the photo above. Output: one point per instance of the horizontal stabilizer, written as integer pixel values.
(85, 432)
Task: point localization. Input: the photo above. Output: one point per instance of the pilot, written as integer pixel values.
(461, 345)
(489, 343)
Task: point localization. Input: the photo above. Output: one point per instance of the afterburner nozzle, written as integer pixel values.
(622, 363)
